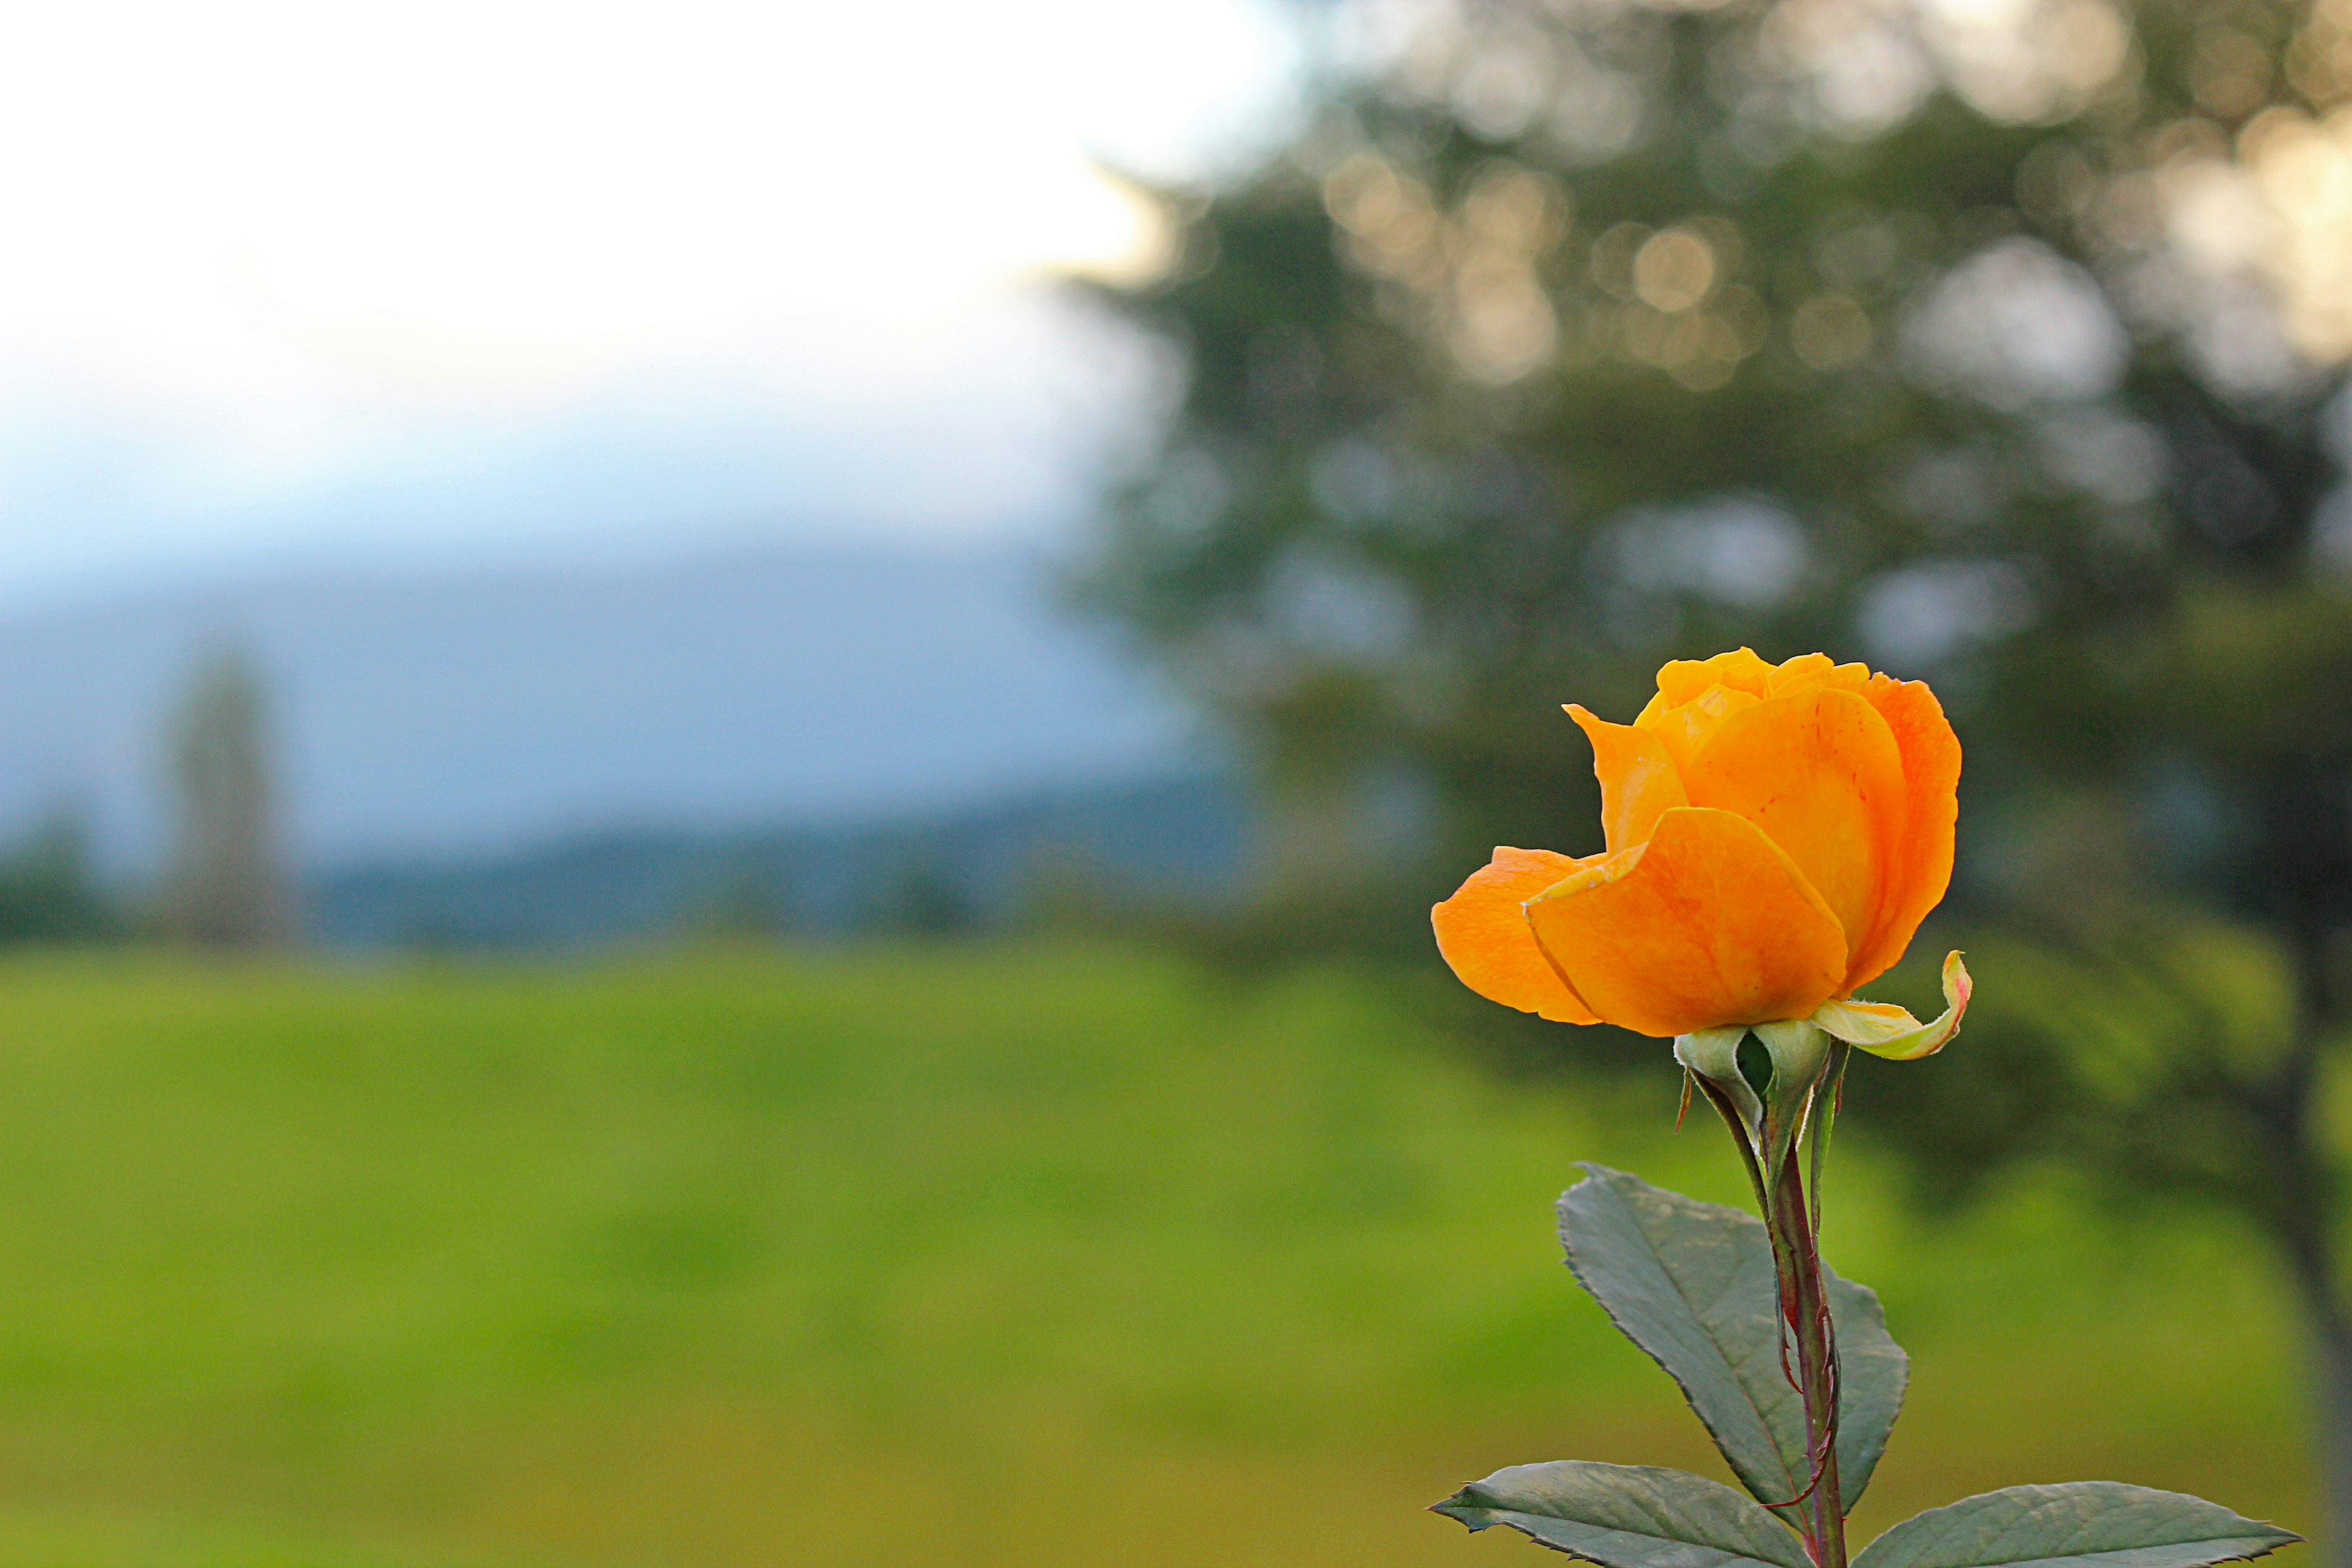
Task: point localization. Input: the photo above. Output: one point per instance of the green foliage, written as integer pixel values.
(1628, 1516)
(1489, 408)
(1624, 1516)
(2079, 1522)
(644, 1264)
(1692, 1284)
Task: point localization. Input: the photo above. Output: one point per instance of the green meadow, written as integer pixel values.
(1041, 1256)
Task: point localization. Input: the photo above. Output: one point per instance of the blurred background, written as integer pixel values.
(724, 733)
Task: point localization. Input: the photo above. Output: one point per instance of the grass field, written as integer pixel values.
(1051, 1256)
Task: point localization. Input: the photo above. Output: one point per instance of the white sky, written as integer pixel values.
(350, 278)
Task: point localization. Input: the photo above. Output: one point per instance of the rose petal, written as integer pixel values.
(1710, 924)
(1482, 932)
(1684, 680)
(1684, 727)
(1916, 883)
(1808, 670)
(1638, 780)
(1819, 771)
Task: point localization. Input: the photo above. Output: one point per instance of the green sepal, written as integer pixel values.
(1713, 1055)
(1800, 1055)
(1629, 1516)
(1771, 1118)
(1885, 1029)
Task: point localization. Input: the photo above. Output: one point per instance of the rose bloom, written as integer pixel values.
(1775, 836)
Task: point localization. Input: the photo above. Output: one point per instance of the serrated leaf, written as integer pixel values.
(1629, 1516)
(1692, 1284)
(2074, 1525)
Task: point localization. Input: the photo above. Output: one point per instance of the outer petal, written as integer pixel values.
(1931, 780)
(1820, 773)
(1482, 932)
(1710, 924)
(1638, 780)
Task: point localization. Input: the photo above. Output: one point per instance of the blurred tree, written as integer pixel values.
(2000, 344)
(923, 898)
(48, 890)
(751, 902)
(225, 887)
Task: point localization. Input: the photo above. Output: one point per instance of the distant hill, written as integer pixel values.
(471, 713)
(1183, 841)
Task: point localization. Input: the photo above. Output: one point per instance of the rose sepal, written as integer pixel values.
(1713, 1055)
(1771, 1117)
(1884, 1029)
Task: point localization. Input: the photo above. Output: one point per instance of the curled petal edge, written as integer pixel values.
(1886, 1030)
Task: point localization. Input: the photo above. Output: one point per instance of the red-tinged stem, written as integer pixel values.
(1789, 1220)
(1804, 1305)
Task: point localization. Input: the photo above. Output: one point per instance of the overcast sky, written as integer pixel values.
(335, 282)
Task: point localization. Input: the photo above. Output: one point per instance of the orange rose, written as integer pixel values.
(1775, 835)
